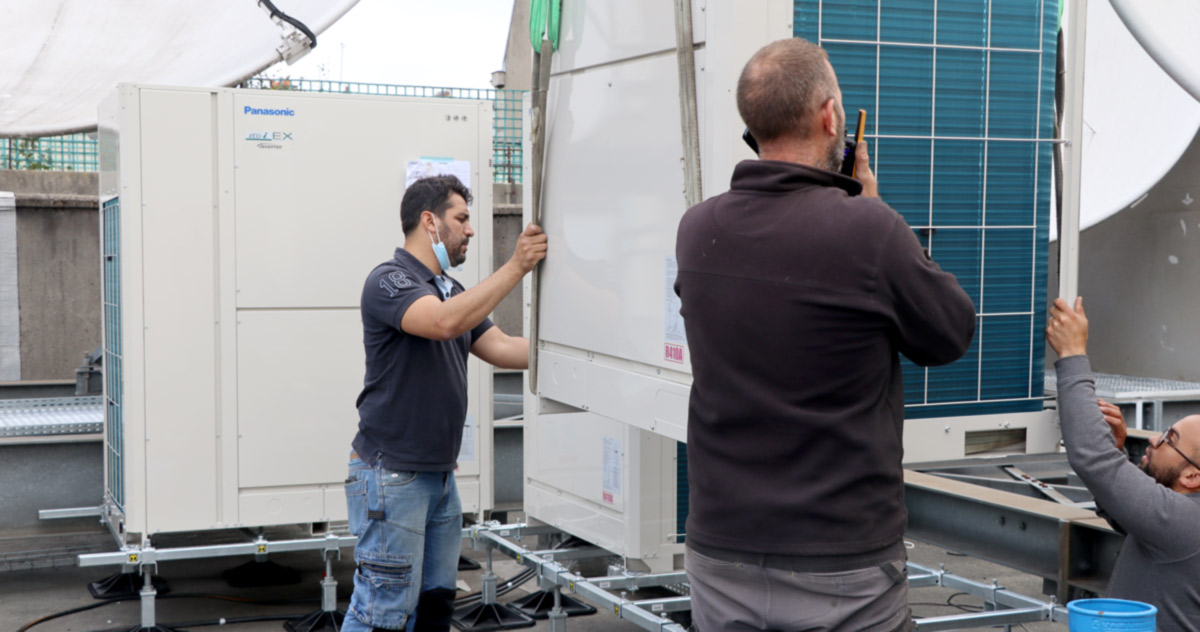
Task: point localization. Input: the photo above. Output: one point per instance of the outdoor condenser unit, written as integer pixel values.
(238, 227)
(960, 99)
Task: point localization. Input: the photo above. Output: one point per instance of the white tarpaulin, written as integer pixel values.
(59, 58)
(1167, 29)
(1125, 154)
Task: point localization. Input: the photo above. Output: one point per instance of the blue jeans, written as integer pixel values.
(409, 528)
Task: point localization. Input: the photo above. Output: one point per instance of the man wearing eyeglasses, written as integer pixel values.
(1158, 507)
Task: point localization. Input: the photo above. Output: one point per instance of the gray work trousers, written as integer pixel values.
(744, 596)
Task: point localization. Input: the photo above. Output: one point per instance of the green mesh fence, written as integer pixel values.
(506, 106)
(71, 152)
(78, 152)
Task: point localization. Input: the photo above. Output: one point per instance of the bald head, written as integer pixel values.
(1168, 464)
(1189, 436)
(782, 88)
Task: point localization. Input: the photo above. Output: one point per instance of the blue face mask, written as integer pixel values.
(439, 251)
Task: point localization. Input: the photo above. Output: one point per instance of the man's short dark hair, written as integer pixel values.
(429, 194)
(782, 87)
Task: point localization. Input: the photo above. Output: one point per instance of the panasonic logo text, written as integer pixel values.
(269, 111)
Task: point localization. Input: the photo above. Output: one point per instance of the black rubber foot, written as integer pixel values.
(489, 616)
(266, 573)
(467, 564)
(539, 604)
(318, 621)
(125, 585)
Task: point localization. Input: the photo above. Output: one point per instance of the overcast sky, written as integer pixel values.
(444, 43)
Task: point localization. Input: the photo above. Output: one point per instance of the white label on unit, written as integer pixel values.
(611, 477)
(428, 166)
(674, 338)
(467, 451)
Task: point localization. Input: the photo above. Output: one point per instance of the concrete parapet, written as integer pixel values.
(58, 269)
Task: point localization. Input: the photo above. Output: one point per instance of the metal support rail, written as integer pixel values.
(1005, 607)
(551, 573)
(149, 555)
(612, 592)
(1010, 608)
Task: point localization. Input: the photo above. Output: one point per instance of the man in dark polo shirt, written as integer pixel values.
(799, 288)
(418, 326)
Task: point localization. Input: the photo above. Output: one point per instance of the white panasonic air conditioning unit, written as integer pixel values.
(238, 228)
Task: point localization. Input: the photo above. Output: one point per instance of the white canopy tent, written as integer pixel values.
(61, 57)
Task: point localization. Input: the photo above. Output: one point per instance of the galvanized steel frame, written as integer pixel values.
(1003, 607)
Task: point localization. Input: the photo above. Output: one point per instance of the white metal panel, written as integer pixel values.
(318, 205)
(740, 29)
(179, 268)
(335, 502)
(613, 201)
(570, 468)
(108, 136)
(475, 464)
(283, 506)
(617, 389)
(133, 399)
(595, 33)
(613, 183)
(241, 423)
(299, 372)
(227, 475)
(568, 450)
(469, 493)
(946, 437)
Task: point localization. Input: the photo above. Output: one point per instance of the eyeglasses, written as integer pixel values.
(1169, 437)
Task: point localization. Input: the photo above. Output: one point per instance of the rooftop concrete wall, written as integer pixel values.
(58, 269)
(518, 55)
(507, 227)
(52, 183)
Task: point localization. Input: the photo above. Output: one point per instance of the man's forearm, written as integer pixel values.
(515, 354)
(463, 312)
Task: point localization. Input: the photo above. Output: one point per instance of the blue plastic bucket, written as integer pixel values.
(1109, 615)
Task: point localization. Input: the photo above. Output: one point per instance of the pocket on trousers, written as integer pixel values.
(396, 478)
(383, 591)
(356, 506)
(702, 560)
(387, 575)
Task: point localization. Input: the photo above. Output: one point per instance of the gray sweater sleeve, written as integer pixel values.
(1162, 520)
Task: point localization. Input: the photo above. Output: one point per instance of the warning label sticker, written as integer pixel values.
(611, 469)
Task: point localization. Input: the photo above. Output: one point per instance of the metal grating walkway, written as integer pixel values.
(51, 416)
(1128, 387)
(1140, 392)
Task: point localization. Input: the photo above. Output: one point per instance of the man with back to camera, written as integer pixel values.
(418, 326)
(799, 287)
(1156, 508)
